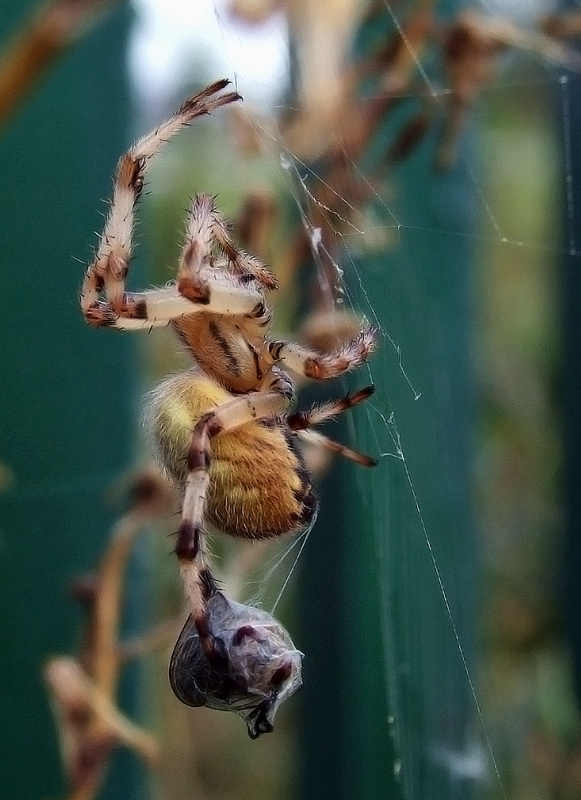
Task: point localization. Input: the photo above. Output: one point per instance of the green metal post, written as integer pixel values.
(66, 392)
(570, 98)
(390, 572)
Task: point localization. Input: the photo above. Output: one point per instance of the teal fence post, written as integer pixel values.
(390, 573)
(570, 94)
(67, 405)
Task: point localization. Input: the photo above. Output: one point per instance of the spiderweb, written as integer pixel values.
(455, 266)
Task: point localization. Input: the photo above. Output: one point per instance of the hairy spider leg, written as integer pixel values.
(190, 548)
(205, 229)
(158, 307)
(321, 366)
(242, 261)
(109, 270)
(301, 421)
(339, 449)
(307, 419)
(197, 247)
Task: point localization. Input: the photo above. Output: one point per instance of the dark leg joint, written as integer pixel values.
(259, 310)
(140, 310)
(194, 292)
(207, 583)
(208, 642)
(188, 543)
(210, 424)
(275, 348)
(198, 458)
(298, 421)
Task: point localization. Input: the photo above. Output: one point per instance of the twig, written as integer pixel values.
(52, 27)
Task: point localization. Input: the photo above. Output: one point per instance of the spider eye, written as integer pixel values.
(254, 666)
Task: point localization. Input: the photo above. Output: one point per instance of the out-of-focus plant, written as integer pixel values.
(50, 29)
(83, 689)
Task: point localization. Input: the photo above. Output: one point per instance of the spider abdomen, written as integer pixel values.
(258, 486)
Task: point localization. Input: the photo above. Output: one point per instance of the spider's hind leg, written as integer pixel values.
(301, 420)
(190, 550)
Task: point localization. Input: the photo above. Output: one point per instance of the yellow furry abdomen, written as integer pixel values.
(258, 485)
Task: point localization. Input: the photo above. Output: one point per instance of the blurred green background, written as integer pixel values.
(436, 599)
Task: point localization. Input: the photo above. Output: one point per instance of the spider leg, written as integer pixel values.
(190, 548)
(109, 270)
(320, 366)
(160, 306)
(205, 228)
(301, 421)
(336, 447)
(192, 284)
(243, 262)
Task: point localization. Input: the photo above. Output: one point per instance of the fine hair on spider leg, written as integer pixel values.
(302, 421)
(222, 429)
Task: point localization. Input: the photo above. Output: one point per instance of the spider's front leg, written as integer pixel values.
(321, 366)
(206, 230)
(108, 272)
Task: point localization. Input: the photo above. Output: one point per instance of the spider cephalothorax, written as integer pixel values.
(222, 430)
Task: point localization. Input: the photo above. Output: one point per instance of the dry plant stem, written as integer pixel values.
(52, 27)
(152, 499)
(563, 25)
(125, 730)
(83, 793)
(469, 45)
(108, 602)
(508, 35)
(86, 747)
(160, 636)
(86, 792)
(83, 692)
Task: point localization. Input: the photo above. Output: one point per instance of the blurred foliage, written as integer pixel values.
(528, 696)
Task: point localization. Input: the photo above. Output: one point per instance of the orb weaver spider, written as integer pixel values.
(222, 430)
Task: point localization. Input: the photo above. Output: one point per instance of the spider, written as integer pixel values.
(223, 430)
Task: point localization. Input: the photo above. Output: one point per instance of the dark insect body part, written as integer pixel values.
(250, 666)
(222, 430)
